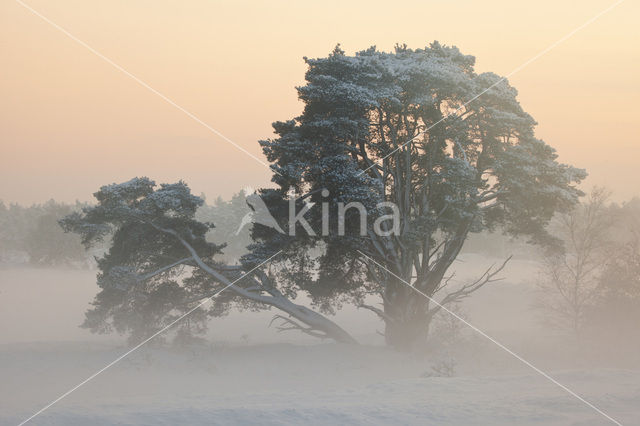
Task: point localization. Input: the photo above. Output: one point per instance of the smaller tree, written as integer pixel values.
(570, 273)
(160, 265)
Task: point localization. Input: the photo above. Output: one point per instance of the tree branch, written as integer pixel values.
(467, 289)
(383, 316)
(296, 326)
(163, 269)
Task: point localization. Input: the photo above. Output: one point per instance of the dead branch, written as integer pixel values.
(467, 289)
(292, 325)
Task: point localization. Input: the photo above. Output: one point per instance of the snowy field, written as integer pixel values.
(286, 384)
(246, 373)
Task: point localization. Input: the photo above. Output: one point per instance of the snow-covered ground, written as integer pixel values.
(248, 374)
(288, 384)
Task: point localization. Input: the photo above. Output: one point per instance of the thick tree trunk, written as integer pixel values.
(407, 326)
(407, 335)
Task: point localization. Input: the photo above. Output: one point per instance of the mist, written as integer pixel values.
(286, 214)
(245, 372)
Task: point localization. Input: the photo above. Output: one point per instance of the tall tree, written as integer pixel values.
(399, 128)
(159, 265)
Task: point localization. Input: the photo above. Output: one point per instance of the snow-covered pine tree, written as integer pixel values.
(469, 166)
(159, 265)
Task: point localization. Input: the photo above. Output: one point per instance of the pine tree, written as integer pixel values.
(397, 127)
(160, 265)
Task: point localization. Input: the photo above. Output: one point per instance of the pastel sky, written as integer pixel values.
(70, 122)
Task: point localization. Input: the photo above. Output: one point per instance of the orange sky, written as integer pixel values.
(70, 122)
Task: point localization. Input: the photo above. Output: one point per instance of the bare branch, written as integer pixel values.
(467, 289)
(383, 316)
(295, 326)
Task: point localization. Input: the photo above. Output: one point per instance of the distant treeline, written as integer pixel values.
(31, 235)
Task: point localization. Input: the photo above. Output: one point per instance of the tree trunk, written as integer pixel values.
(407, 335)
(407, 326)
